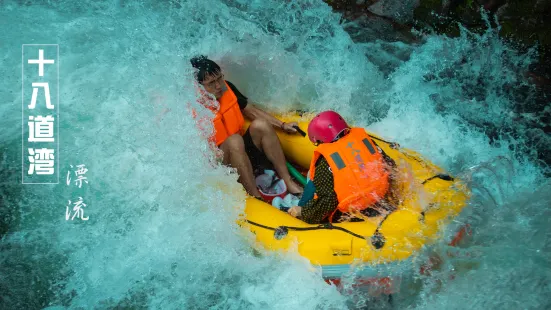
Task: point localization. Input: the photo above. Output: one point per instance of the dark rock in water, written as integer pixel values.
(370, 20)
(525, 22)
(521, 24)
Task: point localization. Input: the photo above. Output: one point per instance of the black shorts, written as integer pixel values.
(258, 159)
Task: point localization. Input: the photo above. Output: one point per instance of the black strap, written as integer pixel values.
(328, 226)
(300, 131)
(393, 145)
(396, 146)
(440, 176)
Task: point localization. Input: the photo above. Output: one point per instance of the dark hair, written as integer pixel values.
(205, 66)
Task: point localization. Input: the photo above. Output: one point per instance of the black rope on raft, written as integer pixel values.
(395, 145)
(328, 226)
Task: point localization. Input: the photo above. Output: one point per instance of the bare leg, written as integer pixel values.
(266, 140)
(236, 157)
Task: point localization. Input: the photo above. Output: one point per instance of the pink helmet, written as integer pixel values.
(325, 127)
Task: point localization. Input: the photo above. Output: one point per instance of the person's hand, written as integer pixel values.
(289, 127)
(295, 211)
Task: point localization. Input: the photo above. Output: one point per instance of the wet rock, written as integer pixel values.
(525, 23)
(372, 20)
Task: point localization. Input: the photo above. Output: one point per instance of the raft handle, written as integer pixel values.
(280, 232)
(378, 240)
(302, 133)
(441, 176)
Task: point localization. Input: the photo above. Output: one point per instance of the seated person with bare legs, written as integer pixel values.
(259, 146)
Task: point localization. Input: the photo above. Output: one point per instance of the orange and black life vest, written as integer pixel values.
(228, 119)
(360, 176)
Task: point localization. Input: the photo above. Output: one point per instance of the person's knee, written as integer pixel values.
(260, 126)
(234, 144)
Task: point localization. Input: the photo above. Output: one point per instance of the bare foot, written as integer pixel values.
(293, 187)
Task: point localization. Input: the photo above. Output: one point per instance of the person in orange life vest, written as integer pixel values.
(348, 173)
(259, 146)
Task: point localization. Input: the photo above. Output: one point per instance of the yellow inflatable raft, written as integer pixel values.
(429, 199)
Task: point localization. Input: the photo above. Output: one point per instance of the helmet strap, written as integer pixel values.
(341, 134)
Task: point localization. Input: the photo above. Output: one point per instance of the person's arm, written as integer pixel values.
(308, 194)
(252, 112)
(317, 209)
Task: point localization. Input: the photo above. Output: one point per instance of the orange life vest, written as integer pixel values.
(228, 119)
(360, 176)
